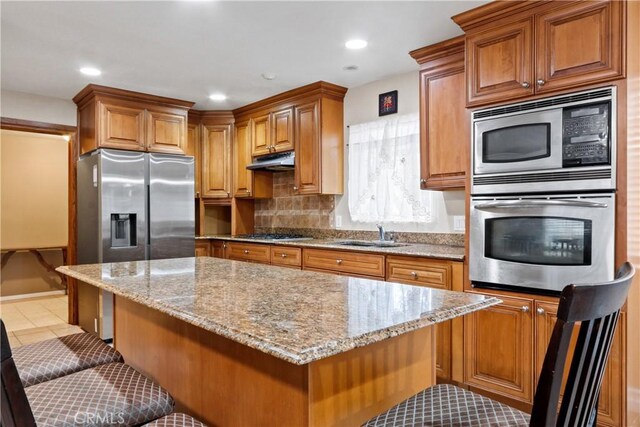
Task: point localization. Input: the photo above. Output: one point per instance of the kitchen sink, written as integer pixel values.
(374, 243)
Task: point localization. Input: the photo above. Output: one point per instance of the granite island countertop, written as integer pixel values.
(295, 315)
(454, 253)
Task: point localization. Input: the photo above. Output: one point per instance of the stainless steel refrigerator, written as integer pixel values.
(131, 206)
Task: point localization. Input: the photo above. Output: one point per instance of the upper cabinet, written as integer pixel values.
(443, 147)
(193, 149)
(217, 136)
(517, 49)
(308, 120)
(115, 118)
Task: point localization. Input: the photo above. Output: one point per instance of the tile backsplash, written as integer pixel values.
(288, 210)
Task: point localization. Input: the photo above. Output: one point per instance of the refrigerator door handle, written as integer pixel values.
(148, 193)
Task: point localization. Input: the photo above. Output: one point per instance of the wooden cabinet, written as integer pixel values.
(610, 402)
(443, 147)
(498, 347)
(307, 137)
(115, 118)
(219, 249)
(252, 252)
(216, 161)
(286, 257)
(518, 49)
(242, 177)
(261, 135)
(282, 130)
(203, 248)
(347, 262)
(192, 149)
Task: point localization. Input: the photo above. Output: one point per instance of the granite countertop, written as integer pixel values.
(295, 315)
(454, 253)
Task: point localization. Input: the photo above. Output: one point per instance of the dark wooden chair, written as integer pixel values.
(597, 308)
(114, 391)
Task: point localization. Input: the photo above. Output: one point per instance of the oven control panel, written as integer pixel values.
(585, 135)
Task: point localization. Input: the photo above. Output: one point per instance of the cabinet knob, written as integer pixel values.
(246, 252)
(224, 246)
(524, 308)
(526, 85)
(423, 181)
(283, 255)
(197, 194)
(414, 274)
(540, 310)
(295, 188)
(228, 194)
(540, 82)
(338, 261)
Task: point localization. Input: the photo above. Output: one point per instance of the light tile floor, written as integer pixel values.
(36, 319)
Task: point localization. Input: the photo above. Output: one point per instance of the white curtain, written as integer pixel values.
(384, 172)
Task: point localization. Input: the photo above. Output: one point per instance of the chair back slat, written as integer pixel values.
(597, 308)
(16, 411)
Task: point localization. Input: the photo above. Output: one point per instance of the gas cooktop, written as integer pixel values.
(274, 236)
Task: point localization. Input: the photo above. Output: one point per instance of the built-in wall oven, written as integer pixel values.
(563, 143)
(541, 243)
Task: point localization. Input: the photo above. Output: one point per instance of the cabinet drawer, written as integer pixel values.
(288, 257)
(202, 248)
(344, 262)
(421, 272)
(249, 252)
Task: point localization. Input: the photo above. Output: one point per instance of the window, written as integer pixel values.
(384, 172)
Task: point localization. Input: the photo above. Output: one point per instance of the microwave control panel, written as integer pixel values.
(585, 135)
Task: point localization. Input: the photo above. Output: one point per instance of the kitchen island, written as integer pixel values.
(241, 344)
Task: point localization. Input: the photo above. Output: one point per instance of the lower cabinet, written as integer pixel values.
(505, 346)
(286, 257)
(219, 249)
(252, 252)
(203, 248)
(350, 263)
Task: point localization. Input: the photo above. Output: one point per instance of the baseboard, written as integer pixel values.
(34, 295)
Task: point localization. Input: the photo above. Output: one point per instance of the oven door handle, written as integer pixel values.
(513, 204)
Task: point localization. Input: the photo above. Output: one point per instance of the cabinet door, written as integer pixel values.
(202, 248)
(307, 142)
(242, 177)
(579, 44)
(166, 132)
(121, 127)
(282, 130)
(499, 348)
(500, 63)
(609, 404)
(216, 156)
(261, 135)
(443, 147)
(192, 149)
(219, 249)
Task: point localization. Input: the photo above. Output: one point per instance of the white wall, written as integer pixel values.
(361, 105)
(26, 106)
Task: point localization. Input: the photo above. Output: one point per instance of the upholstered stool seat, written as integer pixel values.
(442, 404)
(54, 358)
(176, 420)
(107, 395)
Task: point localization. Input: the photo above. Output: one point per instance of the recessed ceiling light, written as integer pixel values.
(90, 71)
(217, 97)
(268, 76)
(350, 68)
(356, 44)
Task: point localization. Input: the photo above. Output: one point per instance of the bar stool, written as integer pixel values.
(54, 358)
(597, 308)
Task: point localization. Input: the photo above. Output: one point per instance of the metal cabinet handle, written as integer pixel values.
(197, 194)
(224, 246)
(228, 194)
(295, 188)
(246, 252)
(526, 85)
(414, 274)
(283, 255)
(524, 308)
(540, 82)
(338, 261)
(540, 310)
(423, 181)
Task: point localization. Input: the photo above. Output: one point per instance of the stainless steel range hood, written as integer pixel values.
(274, 162)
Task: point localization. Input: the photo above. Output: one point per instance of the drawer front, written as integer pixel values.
(288, 257)
(249, 252)
(344, 262)
(420, 272)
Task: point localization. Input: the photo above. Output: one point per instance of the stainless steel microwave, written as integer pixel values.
(541, 243)
(564, 143)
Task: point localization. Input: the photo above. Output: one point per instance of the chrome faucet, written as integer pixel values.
(381, 231)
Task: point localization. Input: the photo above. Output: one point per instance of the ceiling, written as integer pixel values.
(191, 49)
